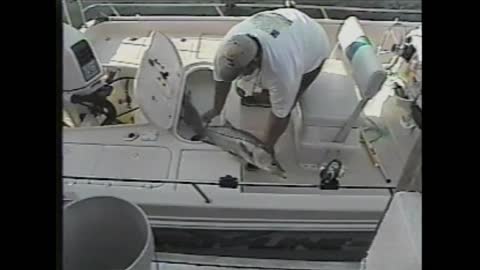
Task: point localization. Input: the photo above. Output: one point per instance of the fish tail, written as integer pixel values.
(192, 117)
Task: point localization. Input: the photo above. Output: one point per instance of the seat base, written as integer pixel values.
(313, 145)
(322, 112)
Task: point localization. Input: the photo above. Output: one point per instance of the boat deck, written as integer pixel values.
(108, 152)
(201, 48)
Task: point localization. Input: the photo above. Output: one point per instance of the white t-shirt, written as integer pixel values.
(292, 44)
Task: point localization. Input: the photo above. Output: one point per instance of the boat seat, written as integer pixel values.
(328, 115)
(332, 84)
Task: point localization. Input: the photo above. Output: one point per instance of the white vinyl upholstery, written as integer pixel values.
(331, 98)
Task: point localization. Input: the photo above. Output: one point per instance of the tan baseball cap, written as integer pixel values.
(233, 55)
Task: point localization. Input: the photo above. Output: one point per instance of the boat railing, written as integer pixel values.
(232, 9)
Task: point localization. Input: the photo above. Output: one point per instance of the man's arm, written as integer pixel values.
(221, 92)
(276, 126)
(282, 107)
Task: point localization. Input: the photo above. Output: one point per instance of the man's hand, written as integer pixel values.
(209, 115)
(221, 93)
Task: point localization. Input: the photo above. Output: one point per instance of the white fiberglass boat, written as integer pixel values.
(124, 136)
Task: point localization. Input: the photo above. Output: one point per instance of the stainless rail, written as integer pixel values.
(216, 7)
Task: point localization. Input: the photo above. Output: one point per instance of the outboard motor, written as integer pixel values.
(85, 90)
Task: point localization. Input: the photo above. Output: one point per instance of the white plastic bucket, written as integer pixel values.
(106, 233)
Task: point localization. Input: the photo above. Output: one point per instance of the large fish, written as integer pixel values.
(237, 142)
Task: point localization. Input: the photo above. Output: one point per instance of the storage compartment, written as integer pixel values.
(200, 85)
(193, 164)
(116, 161)
(123, 98)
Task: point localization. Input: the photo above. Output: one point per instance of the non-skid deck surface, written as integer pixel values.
(191, 49)
(359, 169)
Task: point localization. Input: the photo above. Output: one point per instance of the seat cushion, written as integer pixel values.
(331, 98)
